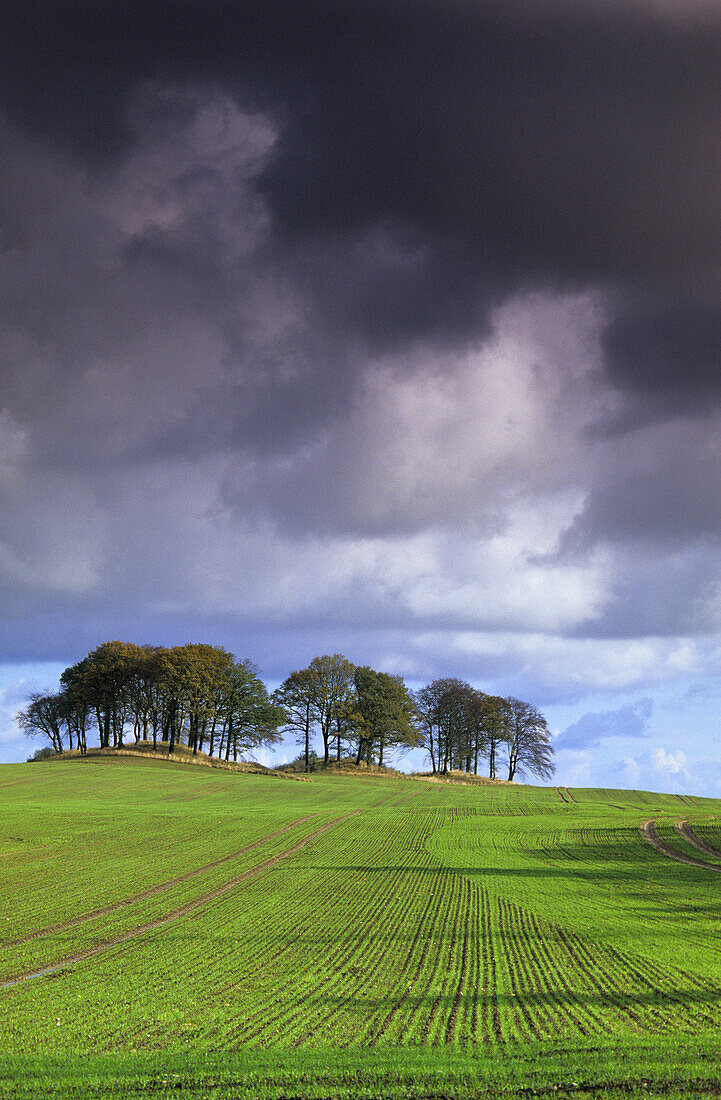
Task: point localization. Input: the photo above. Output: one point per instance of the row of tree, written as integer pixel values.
(205, 697)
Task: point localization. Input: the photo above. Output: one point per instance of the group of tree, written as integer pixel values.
(353, 708)
(356, 709)
(199, 695)
(462, 725)
(204, 697)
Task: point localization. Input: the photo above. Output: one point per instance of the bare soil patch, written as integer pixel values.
(463, 777)
(181, 755)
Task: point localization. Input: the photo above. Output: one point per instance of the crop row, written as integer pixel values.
(710, 834)
(61, 859)
(406, 924)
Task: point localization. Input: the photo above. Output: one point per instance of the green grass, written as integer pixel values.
(419, 940)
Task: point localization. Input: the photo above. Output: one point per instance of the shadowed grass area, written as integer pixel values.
(551, 1070)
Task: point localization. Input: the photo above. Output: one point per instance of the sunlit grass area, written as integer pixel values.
(167, 929)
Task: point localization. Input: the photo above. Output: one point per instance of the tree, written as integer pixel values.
(75, 707)
(171, 681)
(444, 708)
(384, 714)
(250, 718)
(143, 693)
(44, 714)
(495, 728)
(106, 673)
(332, 678)
(528, 741)
(426, 701)
(202, 677)
(296, 697)
(475, 706)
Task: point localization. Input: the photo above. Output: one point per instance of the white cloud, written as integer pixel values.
(575, 768)
(16, 684)
(671, 763)
(588, 663)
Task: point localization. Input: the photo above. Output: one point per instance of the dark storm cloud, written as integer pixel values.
(654, 495)
(301, 309)
(432, 157)
(673, 353)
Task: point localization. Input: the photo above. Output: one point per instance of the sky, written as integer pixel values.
(390, 329)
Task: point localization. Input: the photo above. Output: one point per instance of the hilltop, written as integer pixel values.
(181, 755)
(294, 770)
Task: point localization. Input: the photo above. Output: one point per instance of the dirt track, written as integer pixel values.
(688, 834)
(649, 834)
(133, 933)
(190, 906)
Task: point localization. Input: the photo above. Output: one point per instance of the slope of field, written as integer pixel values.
(167, 931)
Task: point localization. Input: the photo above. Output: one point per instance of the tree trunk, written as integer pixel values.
(307, 737)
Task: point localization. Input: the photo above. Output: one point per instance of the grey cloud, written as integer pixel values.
(668, 358)
(592, 728)
(655, 486)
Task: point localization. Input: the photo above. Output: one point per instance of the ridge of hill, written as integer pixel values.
(181, 755)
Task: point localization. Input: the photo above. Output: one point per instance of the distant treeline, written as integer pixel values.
(204, 697)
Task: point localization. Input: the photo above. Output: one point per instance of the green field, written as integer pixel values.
(212, 934)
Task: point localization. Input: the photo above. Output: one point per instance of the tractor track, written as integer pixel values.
(198, 902)
(182, 911)
(113, 906)
(687, 832)
(649, 834)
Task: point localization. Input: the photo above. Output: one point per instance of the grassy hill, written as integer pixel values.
(191, 931)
